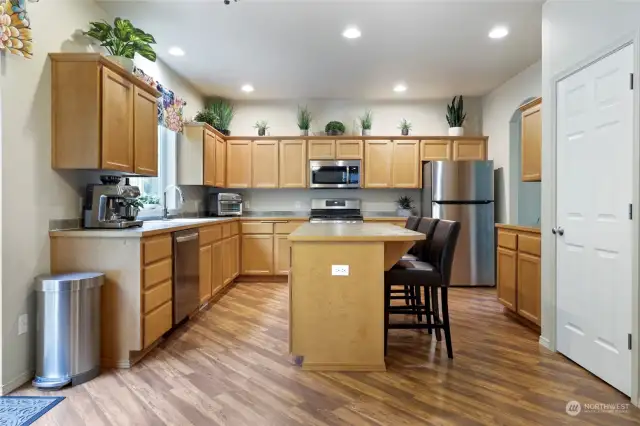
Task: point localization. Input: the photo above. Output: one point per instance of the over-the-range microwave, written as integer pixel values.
(334, 174)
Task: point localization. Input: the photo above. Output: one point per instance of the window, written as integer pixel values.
(152, 188)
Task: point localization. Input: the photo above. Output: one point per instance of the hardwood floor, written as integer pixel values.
(230, 366)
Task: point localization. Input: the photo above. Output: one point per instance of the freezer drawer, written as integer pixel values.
(474, 259)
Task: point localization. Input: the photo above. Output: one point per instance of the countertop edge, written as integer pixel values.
(518, 228)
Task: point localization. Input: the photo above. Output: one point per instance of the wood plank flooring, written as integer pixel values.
(230, 366)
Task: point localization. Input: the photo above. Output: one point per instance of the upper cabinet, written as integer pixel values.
(221, 162)
(467, 150)
(406, 164)
(532, 141)
(340, 149)
(378, 164)
(322, 149)
(293, 164)
(239, 164)
(200, 156)
(349, 150)
(435, 150)
(464, 149)
(264, 162)
(118, 125)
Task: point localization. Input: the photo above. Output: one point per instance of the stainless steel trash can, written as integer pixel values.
(67, 328)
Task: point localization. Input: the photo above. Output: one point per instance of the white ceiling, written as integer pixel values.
(293, 49)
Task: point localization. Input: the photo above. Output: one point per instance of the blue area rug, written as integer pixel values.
(24, 410)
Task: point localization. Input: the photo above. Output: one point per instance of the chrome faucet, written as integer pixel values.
(165, 211)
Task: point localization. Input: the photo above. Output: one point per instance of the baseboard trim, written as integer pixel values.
(543, 341)
(262, 279)
(14, 384)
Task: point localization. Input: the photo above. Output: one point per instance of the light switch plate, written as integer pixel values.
(340, 270)
(23, 324)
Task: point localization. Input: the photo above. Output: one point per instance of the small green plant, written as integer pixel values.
(304, 118)
(334, 128)
(405, 203)
(455, 113)
(123, 39)
(405, 125)
(366, 120)
(134, 202)
(206, 116)
(224, 113)
(149, 199)
(262, 126)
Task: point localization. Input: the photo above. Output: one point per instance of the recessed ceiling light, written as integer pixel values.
(351, 32)
(176, 51)
(498, 32)
(247, 88)
(400, 88)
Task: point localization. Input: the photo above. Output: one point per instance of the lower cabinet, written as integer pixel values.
(282, 259)
(206, 262)
(257, 254)
(519, 272)
(265, 247)
(219, 259)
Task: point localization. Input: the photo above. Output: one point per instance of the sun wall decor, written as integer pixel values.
(15, 31)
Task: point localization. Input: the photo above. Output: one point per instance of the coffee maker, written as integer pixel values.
(108, 205)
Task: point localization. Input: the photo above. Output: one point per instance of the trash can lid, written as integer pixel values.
(72, 281)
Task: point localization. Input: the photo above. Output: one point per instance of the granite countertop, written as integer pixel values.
(354, 232)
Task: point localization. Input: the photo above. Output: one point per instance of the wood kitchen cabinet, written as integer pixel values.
(209, 161)
(221, 162)
(265, 247)
(282, 261)
(341, 149)
(378, 164)
(217, 259)
(206, 277)
(199, 156)
(264, 163)
(293, 164)
(519, 270)
(532, 141)
(239, 164)
(349, 149)
(467, 150)
(436, 150)
(322, 149)
(450, 149)
(257, 254)
(406, 164)
(118, 129)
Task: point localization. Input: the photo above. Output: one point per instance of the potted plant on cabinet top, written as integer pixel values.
(123, 41)
(405, 206)
(206, 116)
(404, 126)
(334, 128)
(224, 113)
(365, 122)
(304, 120)
(456, 116)
(262, 127)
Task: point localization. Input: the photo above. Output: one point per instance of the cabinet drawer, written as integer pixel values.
(226, 230)
(157, 273)
(157, 323)
(288, 227)
(210, 234)
(508, 240)
(157, 296)
(529, 244)
(235, 228)
(257, 228)
(157, 248)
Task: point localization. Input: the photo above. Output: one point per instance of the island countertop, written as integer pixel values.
(354, 232)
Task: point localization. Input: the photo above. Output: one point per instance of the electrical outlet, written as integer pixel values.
(341, 270)
(23, 324)
(247, 205)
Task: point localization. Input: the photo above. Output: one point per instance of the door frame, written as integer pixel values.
(548, 337)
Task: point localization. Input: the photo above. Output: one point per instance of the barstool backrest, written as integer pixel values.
(442, 247)
(412, 223)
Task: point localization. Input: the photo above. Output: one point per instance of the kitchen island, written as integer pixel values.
(336, 292)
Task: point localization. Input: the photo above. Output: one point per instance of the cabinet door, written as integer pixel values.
(349, 150)
(529, 287)
(257, 254)
(145, 133)
(532, 144)
(235, 256)
(322, 150)
(293, 164)
(209, 158)
(282, 262)
(507, 265)
(227, 259)
(378, 164)
(406, 164)
(265, 164)
(217, 278)
(469, 150)
(221, 162)
(238, 164)
(432, 150)
(117, 122)
(205, 273)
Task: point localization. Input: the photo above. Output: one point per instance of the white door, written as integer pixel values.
(594, 189)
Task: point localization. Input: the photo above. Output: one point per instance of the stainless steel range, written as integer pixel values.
(335, 210)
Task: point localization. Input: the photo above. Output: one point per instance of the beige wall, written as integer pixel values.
(428, 117)
(33, 193)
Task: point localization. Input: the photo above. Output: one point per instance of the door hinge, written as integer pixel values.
(629, 341)
(630, 211)
(631, 81)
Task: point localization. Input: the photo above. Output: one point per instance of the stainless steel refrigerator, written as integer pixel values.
(463, 191)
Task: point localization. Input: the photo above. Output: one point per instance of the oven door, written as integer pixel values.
(334, 174)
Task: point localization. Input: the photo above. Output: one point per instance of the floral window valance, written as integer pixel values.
(170, 107)
(15, 31)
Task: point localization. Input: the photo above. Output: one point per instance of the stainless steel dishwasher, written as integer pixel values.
(186, 273)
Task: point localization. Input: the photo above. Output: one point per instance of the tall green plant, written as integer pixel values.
(123, 39)
(366, 120)
(304, 118)
(455, 113)
(224, 113)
